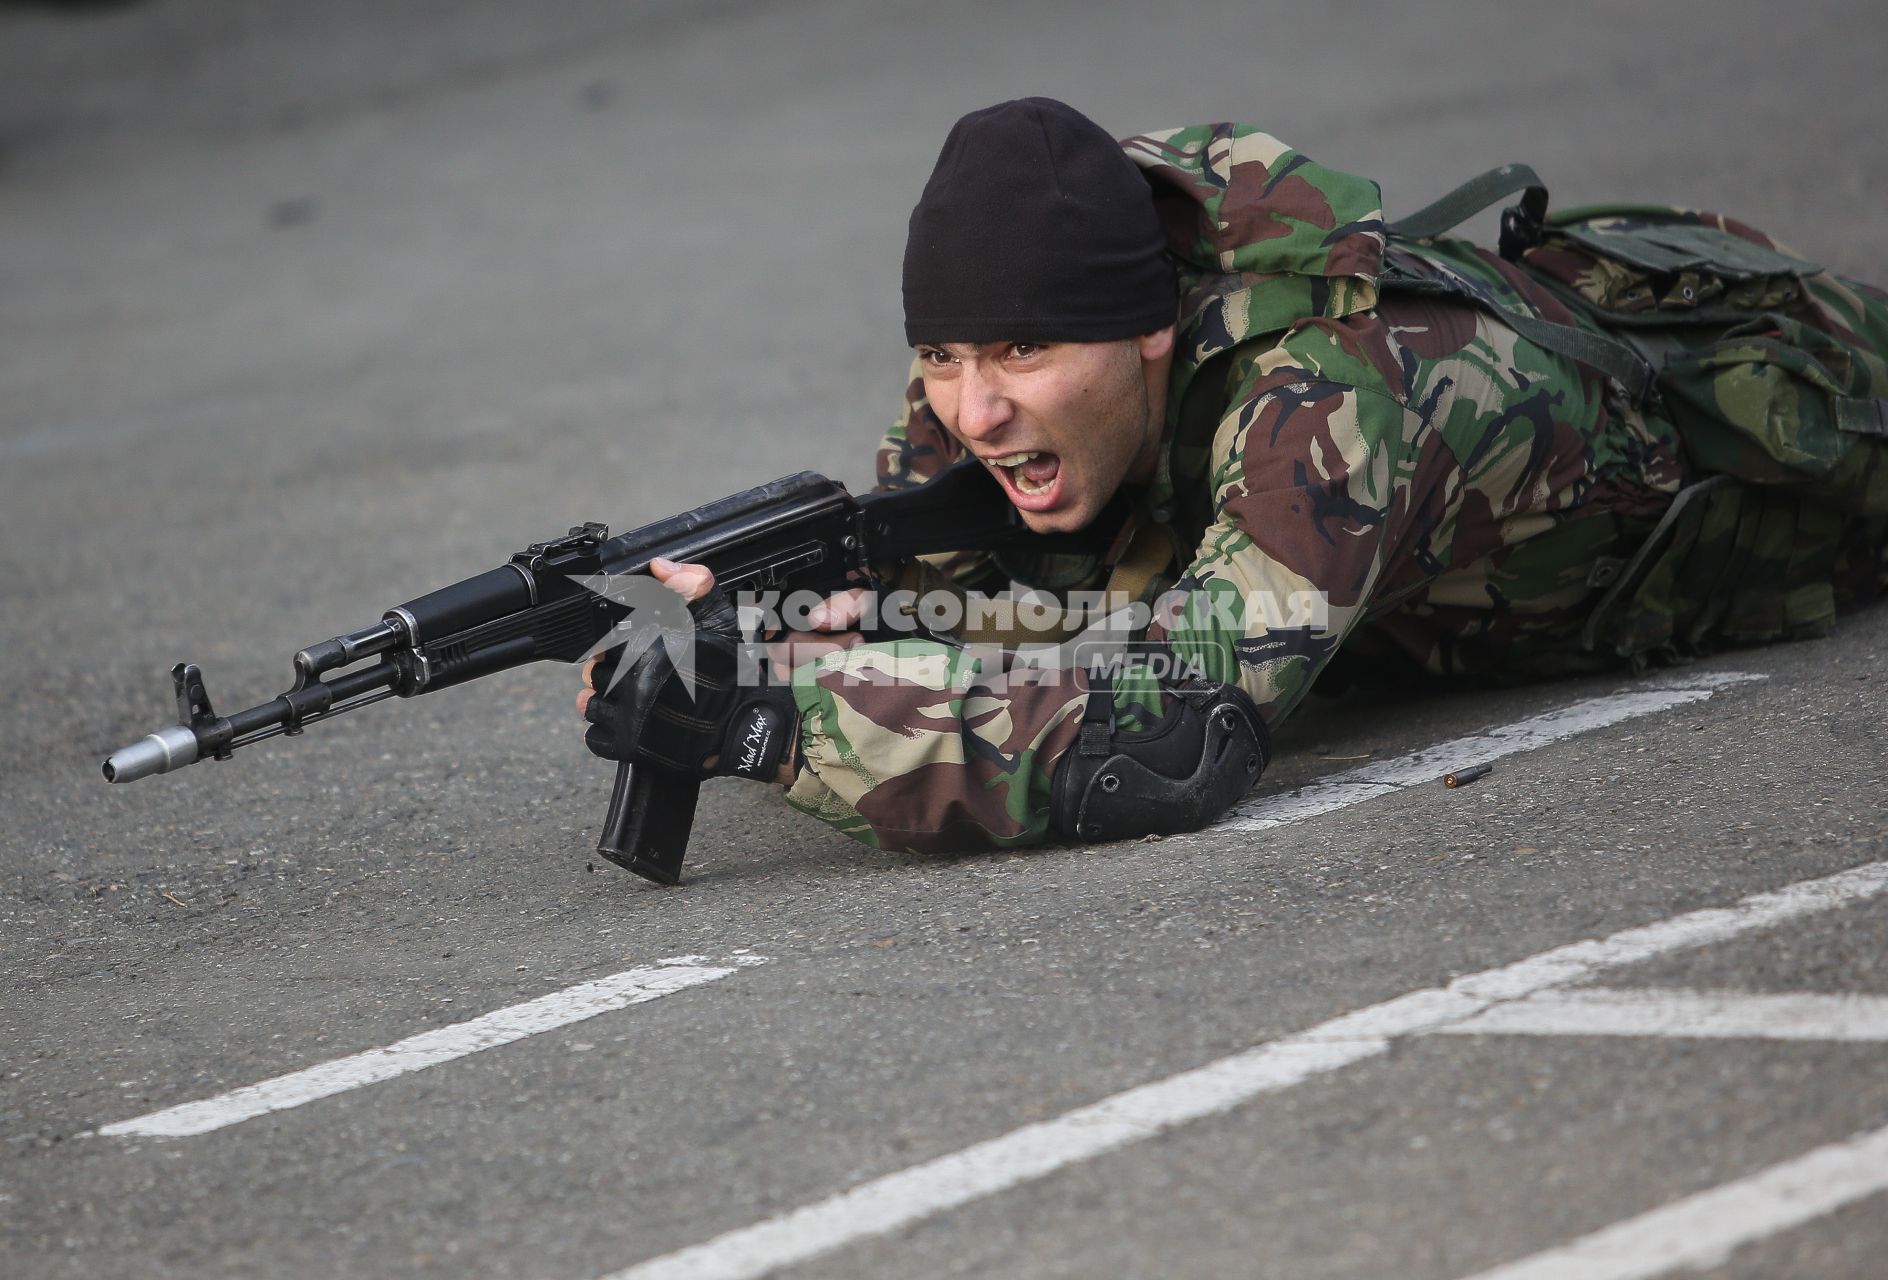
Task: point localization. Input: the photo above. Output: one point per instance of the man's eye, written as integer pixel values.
(934, 358)
(1026, 350)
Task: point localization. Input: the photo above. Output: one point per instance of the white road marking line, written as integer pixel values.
(910, 1195)
(1429, 764)
(1661, 1012)
(1702, 1230)
(430, 1048)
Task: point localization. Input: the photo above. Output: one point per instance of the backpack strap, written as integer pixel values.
(1520, 225)
(1628, 579)
(1616, 360)
(1633, 370)
(1863, 417)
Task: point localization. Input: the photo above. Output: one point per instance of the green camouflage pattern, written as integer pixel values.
(1462, 497)
(1772, 369)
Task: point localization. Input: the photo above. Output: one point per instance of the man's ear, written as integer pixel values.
(1156, 345)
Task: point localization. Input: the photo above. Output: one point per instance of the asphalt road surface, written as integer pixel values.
(305, 309)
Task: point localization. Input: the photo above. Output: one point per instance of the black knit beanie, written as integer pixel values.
(1035, 225)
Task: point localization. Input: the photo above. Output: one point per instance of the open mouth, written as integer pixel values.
(1031, 476)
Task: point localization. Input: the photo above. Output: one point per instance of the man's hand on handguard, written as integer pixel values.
(641, 704)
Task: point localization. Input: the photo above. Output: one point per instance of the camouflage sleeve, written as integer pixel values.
(1310, 479)
(919, 745)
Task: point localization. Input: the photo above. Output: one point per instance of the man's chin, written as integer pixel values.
(1061, 519)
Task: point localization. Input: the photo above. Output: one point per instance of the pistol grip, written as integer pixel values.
(646, 829)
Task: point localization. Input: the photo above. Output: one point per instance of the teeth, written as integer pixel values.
(1027, 485)
(1013, 459)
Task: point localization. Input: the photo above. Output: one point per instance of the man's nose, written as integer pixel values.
(982, 408)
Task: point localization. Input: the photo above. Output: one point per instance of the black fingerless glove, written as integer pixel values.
(648, 716)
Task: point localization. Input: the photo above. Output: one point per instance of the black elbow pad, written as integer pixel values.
(1178, 776)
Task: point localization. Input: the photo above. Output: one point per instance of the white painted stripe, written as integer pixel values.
(1702, 1230)
(899, 1199)
(1659, 1012)
(1023, 1155)
(1429, 764)
(430, 1048)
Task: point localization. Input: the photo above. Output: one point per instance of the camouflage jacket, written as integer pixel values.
(1448, 488)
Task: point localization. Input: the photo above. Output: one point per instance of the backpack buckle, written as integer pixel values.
(1521, 229)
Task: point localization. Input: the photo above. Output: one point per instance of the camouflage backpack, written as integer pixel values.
(1770, 369)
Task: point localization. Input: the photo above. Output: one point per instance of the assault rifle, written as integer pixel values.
(799, 533)
(802, 532)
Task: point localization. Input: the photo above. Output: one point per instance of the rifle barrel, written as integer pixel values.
(177, 745)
